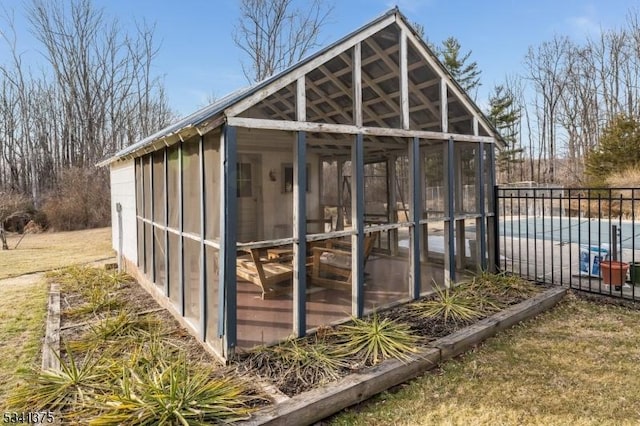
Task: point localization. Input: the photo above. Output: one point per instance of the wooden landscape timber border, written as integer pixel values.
(51, 345)
(317, 404)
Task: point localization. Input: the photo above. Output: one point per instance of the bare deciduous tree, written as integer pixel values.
(547, 66)
(96, 94)
(575, 90)
(275, 33)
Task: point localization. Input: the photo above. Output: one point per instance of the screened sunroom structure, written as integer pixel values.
(351, 182)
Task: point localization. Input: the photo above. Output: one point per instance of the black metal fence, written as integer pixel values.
(584, 238)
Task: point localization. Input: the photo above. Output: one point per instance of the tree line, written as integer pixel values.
(95, 94)
(558, 114)
(570, 94)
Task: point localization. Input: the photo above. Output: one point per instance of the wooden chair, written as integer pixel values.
(273, 276)
(331, 266)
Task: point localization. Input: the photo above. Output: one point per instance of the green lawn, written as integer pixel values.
(41, 252)
(23, 309)
(23, 305)
(578, 364)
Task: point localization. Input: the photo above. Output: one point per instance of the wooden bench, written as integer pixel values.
(331, 266)
(273, 276)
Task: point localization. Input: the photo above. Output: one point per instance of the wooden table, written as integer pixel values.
(278, 253)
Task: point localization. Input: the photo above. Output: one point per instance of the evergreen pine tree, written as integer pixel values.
(504, 114)
(618, 149)
(466, 73)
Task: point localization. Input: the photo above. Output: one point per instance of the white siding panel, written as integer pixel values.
(123, 191)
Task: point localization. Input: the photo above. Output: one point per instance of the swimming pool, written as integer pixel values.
(571, 230)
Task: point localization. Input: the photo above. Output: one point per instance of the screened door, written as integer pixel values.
(248, 193)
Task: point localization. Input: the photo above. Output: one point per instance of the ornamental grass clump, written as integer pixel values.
(449, 305)
(121, 327)
(506, 288)
(173, 393)
(482, 300)
(100, 299)
(297, 364)
(69, 390)
(375, 339)
(83, 279)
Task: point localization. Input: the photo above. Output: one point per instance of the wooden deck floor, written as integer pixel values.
(271, 320)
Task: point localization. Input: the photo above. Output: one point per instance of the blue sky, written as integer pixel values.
(198, 58)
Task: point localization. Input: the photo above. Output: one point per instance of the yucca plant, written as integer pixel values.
(375, 339)
(100, 299)
(67, 390)
(296, 361)
(123, 325)
(84, 279)
(173, 394)
(506, 286)
(450, 305)
(482, 300)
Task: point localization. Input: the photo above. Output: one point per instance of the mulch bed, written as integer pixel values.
(427, 329)
(608, 300)
(138, 300)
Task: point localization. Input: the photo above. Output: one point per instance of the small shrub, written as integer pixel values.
(80, 200)
(375, 339)
(15, 211)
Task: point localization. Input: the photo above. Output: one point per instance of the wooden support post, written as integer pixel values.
(461, 246)
(357, 85)
(493, 249)
(340, 214)
(414, 210)
(404, 81)
(227, 322)
(166, 221)
(392, 204)
(481, 231)
(181, 282)
(152, 275)
(301, 100)
(459, 223)
(202, 293)
(357, 222)
(424, 228)
(449, 251)
(300, 232)
(51, 344)
(444, 106)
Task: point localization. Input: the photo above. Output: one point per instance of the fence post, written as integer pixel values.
(495, 232)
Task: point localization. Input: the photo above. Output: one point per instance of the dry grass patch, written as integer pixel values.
(577, 364)
(23, 308)
(42, 252)
(629, 178)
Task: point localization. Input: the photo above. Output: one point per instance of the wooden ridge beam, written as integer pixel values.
(257, 123)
